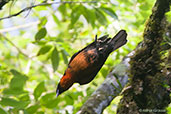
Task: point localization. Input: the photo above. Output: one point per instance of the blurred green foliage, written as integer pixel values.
(46, 37)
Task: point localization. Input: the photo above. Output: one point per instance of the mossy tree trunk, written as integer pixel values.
(148, 73)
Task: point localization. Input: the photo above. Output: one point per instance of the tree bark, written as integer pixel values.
(148, 76)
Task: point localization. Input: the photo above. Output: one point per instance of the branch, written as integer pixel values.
(47, 4)
(109, 89)
(49, 69)
(18, 49)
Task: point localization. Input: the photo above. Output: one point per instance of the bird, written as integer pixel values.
(86, 63)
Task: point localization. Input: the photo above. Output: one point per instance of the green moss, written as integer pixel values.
(146, 79)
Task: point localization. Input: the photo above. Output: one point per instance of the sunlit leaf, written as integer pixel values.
(64, 55)
(18, 81)
(42, 23)
(40, 34)
(92, 17)
(110, 12)
(168, 109)
(63, 10)
(49, 100)
(55, 59)
(11, 91)
(75, 15)
(104, 71)
(39, 90)
(24, 97)
(32, 109)
(40, 112)
(44, 50)
(144, 6)
(55, 18)
(41, 42)
(88, 14)
(100, 17)
(66, 112)
(4, 74)
(16, 84)
(2, 111)
(13, 103)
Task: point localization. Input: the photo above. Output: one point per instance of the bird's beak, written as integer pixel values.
(57, 93)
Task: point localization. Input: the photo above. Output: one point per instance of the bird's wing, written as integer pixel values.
(75, 54)
(99, 39)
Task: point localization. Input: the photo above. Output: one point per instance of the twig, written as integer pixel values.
(45, 4)
(18, 49)
(50, 71)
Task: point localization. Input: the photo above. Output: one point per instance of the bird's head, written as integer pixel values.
(59, 90)
(65, 83)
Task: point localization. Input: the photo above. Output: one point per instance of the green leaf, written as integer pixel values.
(44, 50)
(43, 21)
(39, 90)
(75, 14)
(110, 12)
(104, 71)
(9, 91)
(144, 6)
(41, 34)
(24, 97)
(92, 17)
(55, 18)
(63, 10)
(40, 43)
(32, 109)
(55, 59)
(13, 103)
(64, 55)
(88, 14)
(84, 11)
(18, 81)
(16, 84)
(168, 109)
(49, 100)
(2, 111)
(100, 17)
(41, 112)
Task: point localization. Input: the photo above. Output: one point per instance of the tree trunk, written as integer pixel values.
(147, 93)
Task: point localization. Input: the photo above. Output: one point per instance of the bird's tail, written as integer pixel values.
(118, 40)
